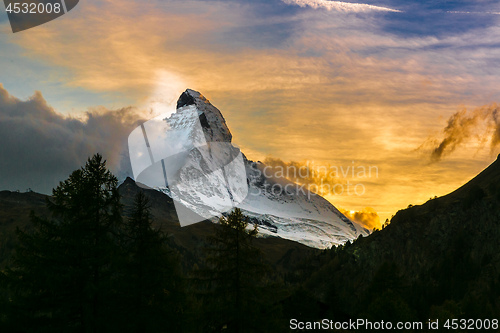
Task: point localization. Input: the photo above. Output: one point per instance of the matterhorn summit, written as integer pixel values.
(189, 156)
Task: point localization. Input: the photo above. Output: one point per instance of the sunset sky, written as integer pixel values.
(341, 84)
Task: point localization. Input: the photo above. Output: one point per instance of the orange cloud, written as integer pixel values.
(324, 178)
(367, 217)
(482, 123)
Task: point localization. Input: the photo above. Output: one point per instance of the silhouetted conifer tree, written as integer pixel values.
(153, 288)
(63, 269)
(236, 295)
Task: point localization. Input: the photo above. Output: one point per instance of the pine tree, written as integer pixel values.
(63, 268)
(153, 295)
(235, 287)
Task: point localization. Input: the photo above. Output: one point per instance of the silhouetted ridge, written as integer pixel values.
(128, 181)
(487, 181)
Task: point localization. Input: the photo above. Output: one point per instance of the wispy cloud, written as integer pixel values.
(463, 12)
(482, 124)
(340, 6)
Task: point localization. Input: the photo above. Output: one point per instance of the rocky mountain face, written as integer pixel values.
(194, 162)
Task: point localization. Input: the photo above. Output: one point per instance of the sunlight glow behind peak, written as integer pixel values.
(163, 99)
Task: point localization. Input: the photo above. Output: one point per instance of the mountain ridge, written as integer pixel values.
(440, 260)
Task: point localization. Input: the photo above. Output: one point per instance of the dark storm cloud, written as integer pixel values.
(39, 147)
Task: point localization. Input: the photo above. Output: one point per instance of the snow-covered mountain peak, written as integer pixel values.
(189, 156)
(211, 119)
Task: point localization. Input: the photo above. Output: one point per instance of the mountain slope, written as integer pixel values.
(436, 260)
(190, 240)
(15, 211)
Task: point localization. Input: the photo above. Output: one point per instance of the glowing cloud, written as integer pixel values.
(482, 123)
(340, 6)
(367, 217)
